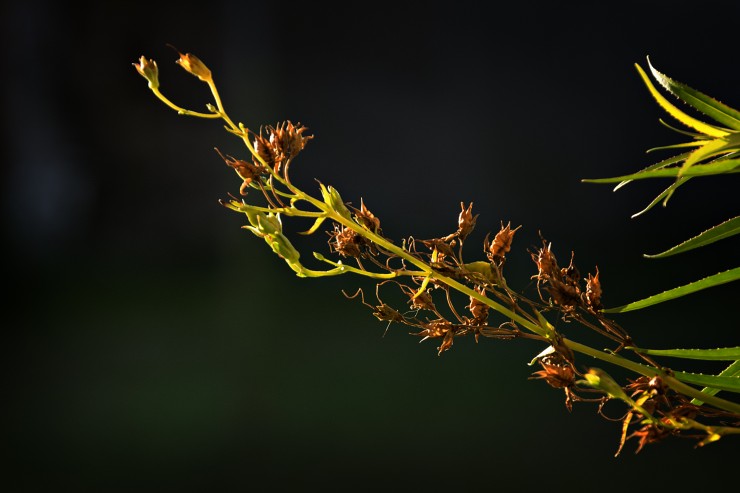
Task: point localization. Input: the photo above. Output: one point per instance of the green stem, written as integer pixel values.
(672, 382)
(648, 371)
(183, 111)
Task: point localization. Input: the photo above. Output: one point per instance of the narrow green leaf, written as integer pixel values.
(710, 149)
(718, 354)
(679, 115)
(658, 165)
(707, 282)
(724, 230)
(693, 135)
(664, 194)
(720, 166)
(695, 143)
(709, 106)
(731, 371)
(731, 384)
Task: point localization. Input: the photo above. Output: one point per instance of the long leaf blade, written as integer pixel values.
(714, 168)
(676, 113)
(658, 165)
(721, 113)
(718, 354)
(721, 231)
(731, 371)
(731, 384)
(707, 282)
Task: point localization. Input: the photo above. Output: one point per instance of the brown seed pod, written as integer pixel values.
(466, 221)
(283, 142)
(593, 291)
(478, 309)
(501, 245)
(345, 241)
(247, 171)
(367, 218)
(547, 264)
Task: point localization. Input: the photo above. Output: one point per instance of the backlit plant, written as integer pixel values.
(432, 273)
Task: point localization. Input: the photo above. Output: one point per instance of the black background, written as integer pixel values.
(153, 345)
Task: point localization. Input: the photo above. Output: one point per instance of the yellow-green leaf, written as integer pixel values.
(707, 282)
(676, 113)
(721, 113)
(718, 354)
(731, 371)
(724, 230)
(731, 384)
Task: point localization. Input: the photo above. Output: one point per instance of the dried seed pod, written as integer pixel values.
(346, 242)
(367, 218)
(284, 142)
(566, 296)
(478, 309)
(247, 171)
(547, 264)
(466, 221)
(593, 291)
(501, 245)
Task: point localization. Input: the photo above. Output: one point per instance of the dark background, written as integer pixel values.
(153, 345)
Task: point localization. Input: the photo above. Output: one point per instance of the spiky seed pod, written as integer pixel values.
(501, 245)
(385, 313)
(567, 296)
(283, 142)
(443, 248)
(570, 274)
(478, 309)
(421, 301)
(247, 171)
(547, 264)
(593, 291)
(557, 376)
(465, 221)
(264, 151)
(367, 218)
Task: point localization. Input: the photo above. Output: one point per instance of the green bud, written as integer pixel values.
(599, 379)
(334, 200)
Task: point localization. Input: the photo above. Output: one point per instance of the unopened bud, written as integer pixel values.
(148, 69)
(192, 64)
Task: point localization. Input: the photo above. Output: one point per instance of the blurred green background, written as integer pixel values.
(154, 346)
